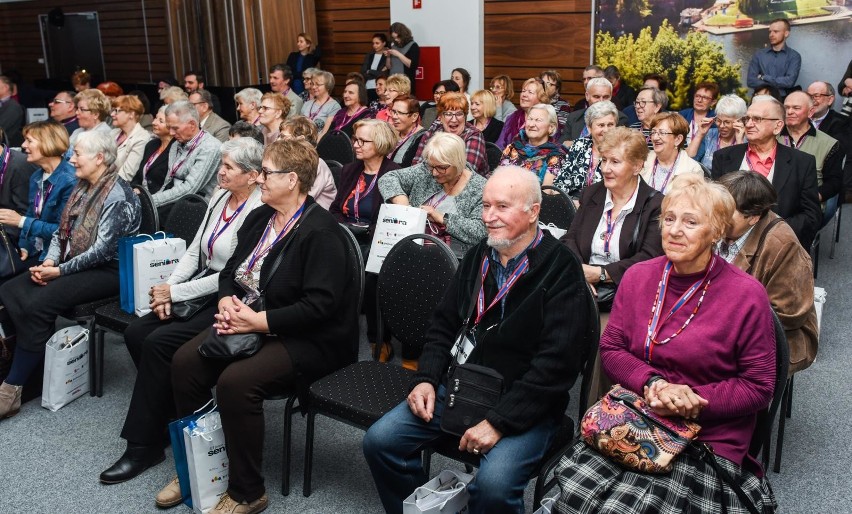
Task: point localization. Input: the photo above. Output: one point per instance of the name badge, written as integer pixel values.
(462, 349)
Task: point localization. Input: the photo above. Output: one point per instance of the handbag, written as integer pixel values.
(10, 256)
(186, 309)
(624, 428)
(240, 346)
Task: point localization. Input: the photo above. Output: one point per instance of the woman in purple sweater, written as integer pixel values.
(713, 360)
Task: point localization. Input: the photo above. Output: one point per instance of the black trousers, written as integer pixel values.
(241, 387)
(152, 343)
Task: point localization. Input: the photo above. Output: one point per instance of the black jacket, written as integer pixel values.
(537, 346)
(15, 189)
(349, 179)
(840, 128)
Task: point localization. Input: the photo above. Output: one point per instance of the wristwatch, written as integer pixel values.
(603, 274)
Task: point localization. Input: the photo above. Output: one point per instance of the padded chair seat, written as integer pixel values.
(88, 309)
(353, 393)
(110, 316)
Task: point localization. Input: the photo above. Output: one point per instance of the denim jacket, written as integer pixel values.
(62, 181)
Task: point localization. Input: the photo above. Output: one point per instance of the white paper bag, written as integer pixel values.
(153, 263)
(547, 504)
(66, 368)
(444, 494)
(207, 461)
(395, 222)
(819, 303)
(553, 229)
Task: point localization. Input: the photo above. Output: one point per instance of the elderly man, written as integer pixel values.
(827, 120)
(589, 72)
(64, 110)
(778, 65)
(799, 133)
(194, 81)
(529, 325)
(11, 114)
(193, 159)
(597, 89)
(280, 78)
(791, 172)
(211, 122)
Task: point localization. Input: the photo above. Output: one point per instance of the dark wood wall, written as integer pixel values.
(122, 25)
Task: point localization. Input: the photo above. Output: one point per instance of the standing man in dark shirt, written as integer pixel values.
(778, 65)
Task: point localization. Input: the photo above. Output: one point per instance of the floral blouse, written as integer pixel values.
(575, 174)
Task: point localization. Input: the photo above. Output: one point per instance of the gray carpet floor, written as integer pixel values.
(50, 461)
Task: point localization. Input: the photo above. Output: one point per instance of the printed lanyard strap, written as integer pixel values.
(7, 154)
(369, 190)
(259, 250)
(193, 144)
(214, 235)
(669, 172)
(40, 198)
(519, 270)
(610, 229)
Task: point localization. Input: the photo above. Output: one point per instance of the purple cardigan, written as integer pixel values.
(511, 128)
(726, 353)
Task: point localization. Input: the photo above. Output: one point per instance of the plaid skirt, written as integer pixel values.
(590, 482)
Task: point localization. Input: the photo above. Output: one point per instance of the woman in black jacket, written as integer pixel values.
(374, 65)
(307, 324)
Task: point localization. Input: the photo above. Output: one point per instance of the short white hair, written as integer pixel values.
(525, 178)
(731, 105)
(599, 82)
(94, 142)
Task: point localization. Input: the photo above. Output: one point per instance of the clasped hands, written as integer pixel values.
(235, 317)
(478, 439)
(44, 272)
(667, 399)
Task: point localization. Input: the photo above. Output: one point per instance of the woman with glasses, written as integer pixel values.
(533, 149)
(307, 80)
(405, 119)
(321, 107)
(154, 165)
(582, 166)
(130, 137)
(531, 94)
(429, 109)
(504, 90)
(395, 85)
(452, 116)
(273, 110)
(93, 109)
(301, 128)
(728, 130)
(296, 253)
(649, 101)
(483, 108)
(706, 94)
(354, 109)
(248, 100)
(668, 159)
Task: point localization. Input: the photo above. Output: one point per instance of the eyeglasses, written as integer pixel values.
(548, 84)
(315, 83)
(656, 132)
(756, 119)
(264, 108)
(643, 103)
(725, 123)
(81, 109)
(703, 97)
(357, 141)
(399, 113)
(452, 114)
(198, 103)
(265, 172)
(439, 93)
(817, 96)
(58, 101)
(116, 110)
(440, 168)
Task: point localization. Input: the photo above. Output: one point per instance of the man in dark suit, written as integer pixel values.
(792, 172)
(210, 121)
(11, 114)
(827, 120)
(597, 89)
(622, 94)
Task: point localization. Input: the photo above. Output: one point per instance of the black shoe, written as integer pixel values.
(136, 459)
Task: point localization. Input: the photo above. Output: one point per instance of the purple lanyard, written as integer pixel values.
(259, 250)
(793, 144)
(39, 201)
(214, 235)
(431, 202)
(193, 143)
(7, 154)
(519, 270)
(610, 229)
(668, 175)
(369, 190)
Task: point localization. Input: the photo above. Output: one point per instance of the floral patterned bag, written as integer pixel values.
(624, 428)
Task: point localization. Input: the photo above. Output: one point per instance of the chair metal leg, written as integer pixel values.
(836, 238)
(815, 255)
(789, 393)
(782, 422)
(285, 458)
(94, 366)
(309, 454)
(99, 347)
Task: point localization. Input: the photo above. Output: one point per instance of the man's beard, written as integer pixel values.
(499, 243)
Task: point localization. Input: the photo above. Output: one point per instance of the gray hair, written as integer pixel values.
(327, 77)
(731, 105)
(779, 107)
(599, 110)
(599, 82)
(184, 111)
(659, 96)
(249, 95)
(446, 148)
(246, 152)
(828, 87)
(162, 109)
(94, 142)
(527, 179)
(551, 115)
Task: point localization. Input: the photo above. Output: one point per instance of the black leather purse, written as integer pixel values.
(10, 256)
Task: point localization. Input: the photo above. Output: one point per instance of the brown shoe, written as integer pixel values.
(228, 505)
(169, 496)
(10, 400)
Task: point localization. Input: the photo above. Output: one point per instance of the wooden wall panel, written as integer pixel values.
(123, 37)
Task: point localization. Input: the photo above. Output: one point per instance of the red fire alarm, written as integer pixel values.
(416, 4)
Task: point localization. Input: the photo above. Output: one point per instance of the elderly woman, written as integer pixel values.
(533, 149)
(405, 119)
(130, 137)
(668, 159)
(154, 165)
(294, 253)
(300, 128)
(45, 142)
(354, 109)
(729, 130)
(503, 89)
(617, 223)
(307, 80)
(531, 94)
(153, 339)
(321, 108)
(703, 100)
(358, 201)
(483, 107)
(172, 94)
(378, 103)
(396, 85)
(93, 109)
(404, 54)
(649, 101)
(248, 101)
(699, 356)
(374, 64)
(81, 263)
(764, 246)
(14, 188)
(302, 59)
(429, 109)
(452, 113)
(582, 164)
(274, 108)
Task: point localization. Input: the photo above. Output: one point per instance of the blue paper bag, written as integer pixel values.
(179, 448)
(125, 267)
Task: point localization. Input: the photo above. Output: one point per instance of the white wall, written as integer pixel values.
(454, 25)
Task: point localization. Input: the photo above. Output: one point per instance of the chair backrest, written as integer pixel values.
(494, 154)
(593, 339)
(411, 283)
(150, 217)
(356, 265)
(335, 168)
(556, 207)
(336, 146)
(766, 418)
(408, 158)
(186, 216)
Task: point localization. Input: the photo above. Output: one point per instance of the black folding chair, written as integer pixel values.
(335, 168)
(150, 222)
(556, 207)
(781, 400)
(494, 154)
(186, 216)
(336, 146)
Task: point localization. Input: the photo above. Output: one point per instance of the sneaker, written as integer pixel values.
(10, 400)
(228, 505)
(169, 496)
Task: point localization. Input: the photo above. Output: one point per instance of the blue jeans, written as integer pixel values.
(393, 444)
(830, 209)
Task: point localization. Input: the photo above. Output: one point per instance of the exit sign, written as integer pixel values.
(416, 4)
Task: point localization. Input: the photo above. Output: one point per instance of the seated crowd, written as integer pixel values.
(652, 234)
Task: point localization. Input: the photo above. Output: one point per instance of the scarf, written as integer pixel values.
(82, 214)
(535, 158)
